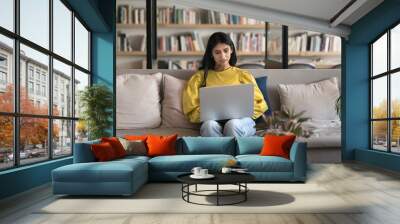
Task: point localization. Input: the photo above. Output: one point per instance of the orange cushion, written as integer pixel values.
(275, 145)
(161, 145)
(136, 137)
(103, 151)
(116, 145)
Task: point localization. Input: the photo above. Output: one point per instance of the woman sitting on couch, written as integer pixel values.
(218, 69)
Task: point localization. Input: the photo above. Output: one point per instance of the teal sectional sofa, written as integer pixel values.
(125, 176)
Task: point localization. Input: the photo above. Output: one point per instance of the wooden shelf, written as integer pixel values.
(194, 26)
(313, 53)
(181, 53)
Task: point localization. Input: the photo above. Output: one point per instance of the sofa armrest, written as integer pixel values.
(83, 152)
(298, 155)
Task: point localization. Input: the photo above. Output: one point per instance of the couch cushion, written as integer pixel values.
(112, 171)
(249, 145)
(257, 163)
(172, 112)
(208, 145)
(184, 163)
(317, 99)
(138, 101)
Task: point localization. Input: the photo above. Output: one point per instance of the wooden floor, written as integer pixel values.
(377, 188)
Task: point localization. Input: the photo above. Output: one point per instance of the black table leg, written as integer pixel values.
(217, 194)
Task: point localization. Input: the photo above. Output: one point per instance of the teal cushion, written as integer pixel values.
(249, 145)
(111, 171)
(185, 163)
(257, 163)
(208, 145)
(83, 152)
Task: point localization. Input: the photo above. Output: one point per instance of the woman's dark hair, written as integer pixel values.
(208, 61)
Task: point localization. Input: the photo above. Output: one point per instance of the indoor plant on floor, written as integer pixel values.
(96, 102)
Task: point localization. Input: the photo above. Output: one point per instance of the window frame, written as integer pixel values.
(388, 74)
(16, 115)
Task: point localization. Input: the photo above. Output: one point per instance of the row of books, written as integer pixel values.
(128, 14)
(128, 43)
(178, 64)
(316, 42)
(181, 42)
(248, 41)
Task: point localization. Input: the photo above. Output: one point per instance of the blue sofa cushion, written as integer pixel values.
(262, 83)
(208, 145)
(111, 171)
(184, 163)
(83, 153)
(257, 163)
(249, 145)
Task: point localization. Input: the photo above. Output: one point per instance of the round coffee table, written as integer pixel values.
(238, 179)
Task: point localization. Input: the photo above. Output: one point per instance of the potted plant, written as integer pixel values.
(285, 122)
(96, 102)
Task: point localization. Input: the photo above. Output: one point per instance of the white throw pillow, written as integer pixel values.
(138, 101)
(172, 112)
(316, 99)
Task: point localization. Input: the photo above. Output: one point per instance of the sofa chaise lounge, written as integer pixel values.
(125, 176)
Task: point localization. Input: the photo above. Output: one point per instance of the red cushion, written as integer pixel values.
(116, 145)
(103, 151)
(161, 145)
(136, 137)
(275, 145)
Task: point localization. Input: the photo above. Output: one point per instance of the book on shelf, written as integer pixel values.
(189, 41)
(127, 43)
(127, 14)
(248, 41)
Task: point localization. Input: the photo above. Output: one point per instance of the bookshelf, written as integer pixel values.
(182, 33)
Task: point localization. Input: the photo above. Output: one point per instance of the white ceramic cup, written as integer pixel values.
(196, 170)
(226, 170)
(203, 172)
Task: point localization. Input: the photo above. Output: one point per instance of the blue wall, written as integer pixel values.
(99, 16)
(356, 85)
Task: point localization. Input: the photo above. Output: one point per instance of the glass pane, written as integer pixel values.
(81, 131)
(35, 21)
(395, 138)
(34, 97)
(6, 142)
(379, 56)
(81, 45)
(62, 89)
(7, 14)
(379, 97)
(274, 46)
(395, 47)
(33, 139)
(62, 29)
(308, 49)
(379, 135)
(6, 74)
(62, 141)
(81, 81)
(130, 36)
(395, 95)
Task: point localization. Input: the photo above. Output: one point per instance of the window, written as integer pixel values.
(45, 131)
(30, 87)
(385, 94)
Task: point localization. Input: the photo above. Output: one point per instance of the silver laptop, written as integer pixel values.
(226, 102)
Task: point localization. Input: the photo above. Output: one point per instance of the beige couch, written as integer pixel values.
(321, 149)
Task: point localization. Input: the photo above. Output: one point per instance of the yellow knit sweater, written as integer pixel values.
(229, 76)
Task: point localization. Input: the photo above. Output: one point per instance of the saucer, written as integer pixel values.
(208, 176)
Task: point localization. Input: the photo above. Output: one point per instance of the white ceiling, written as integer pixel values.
(314, 15)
